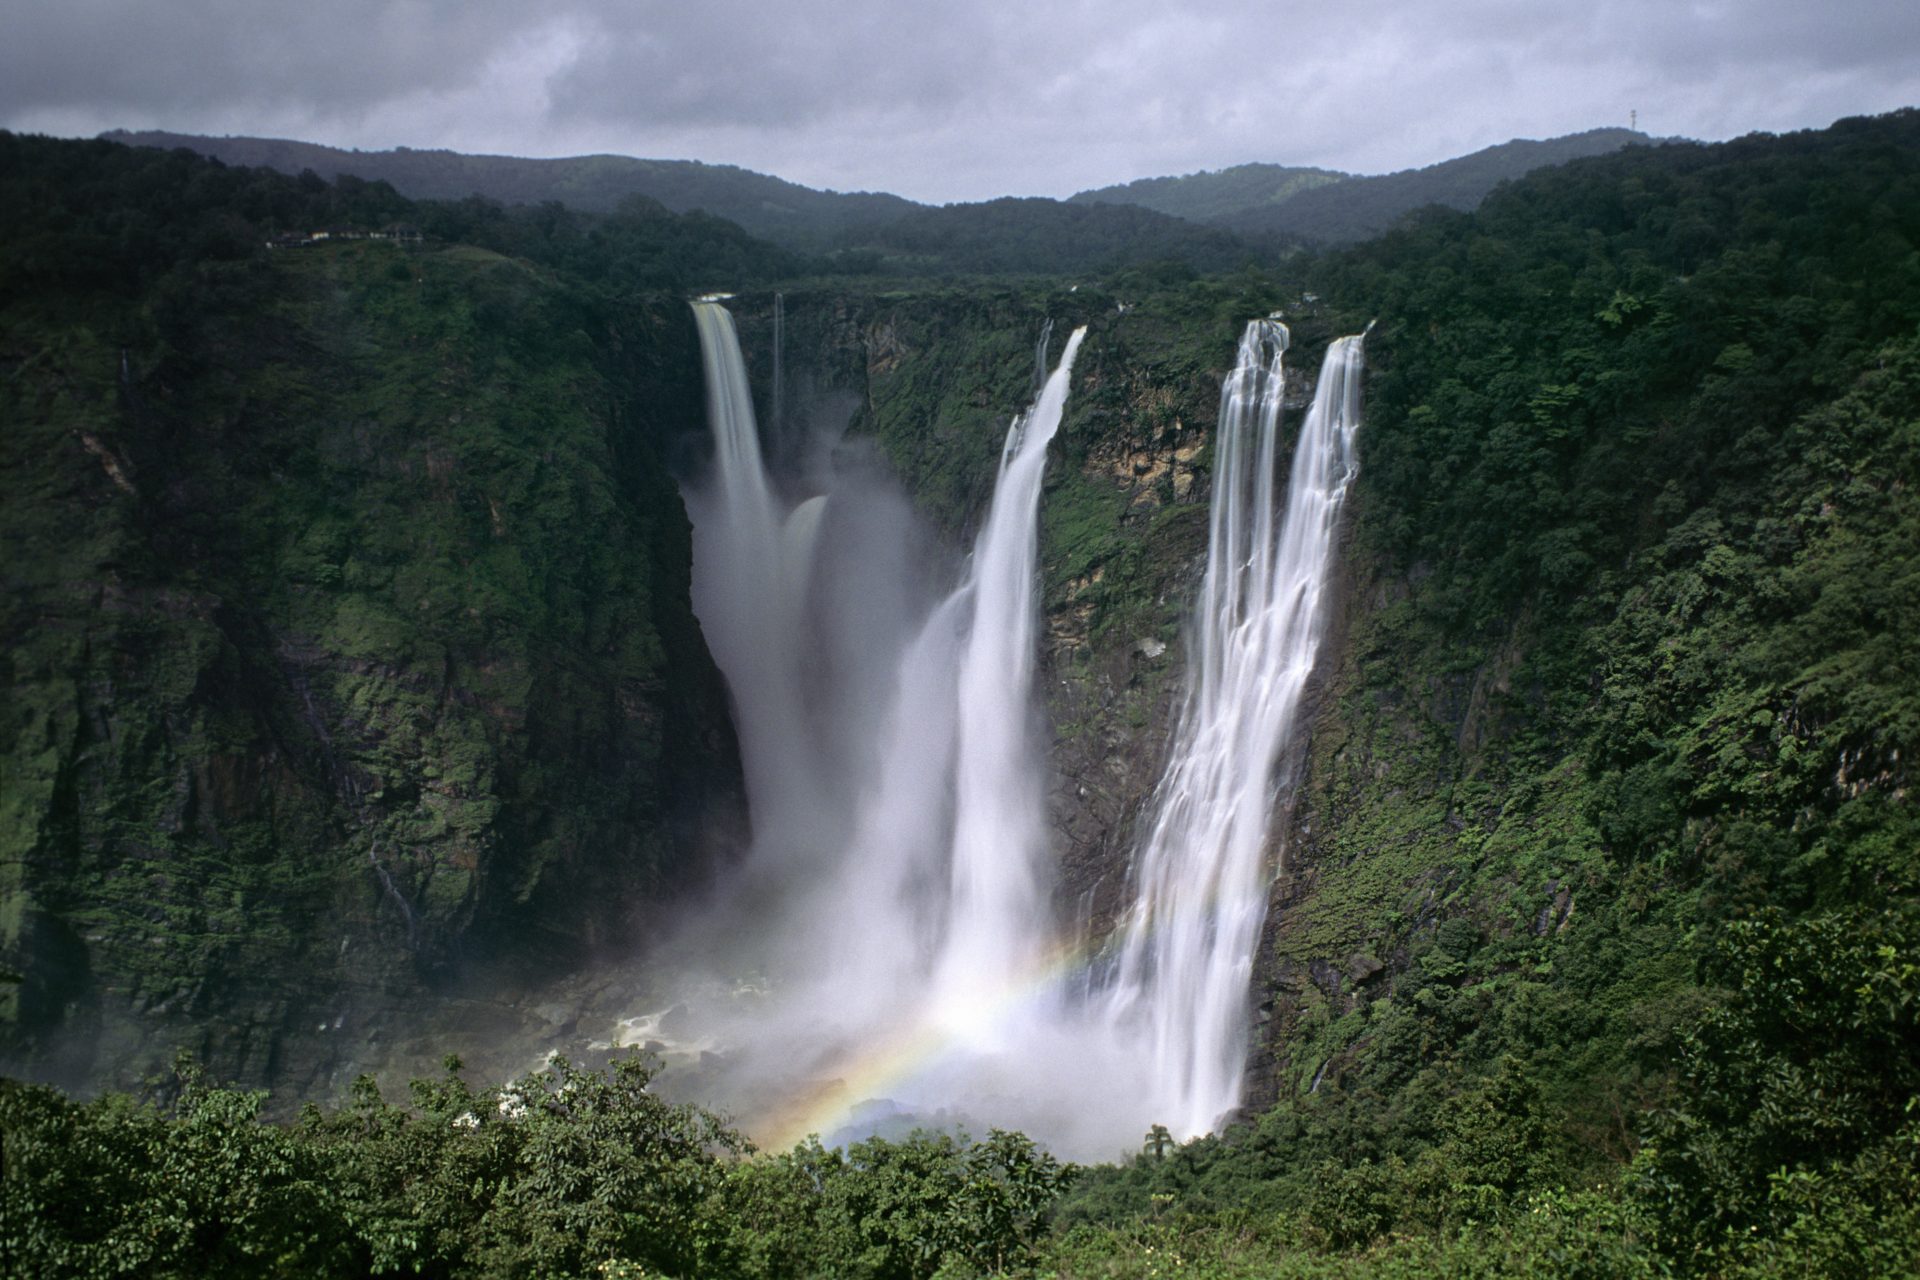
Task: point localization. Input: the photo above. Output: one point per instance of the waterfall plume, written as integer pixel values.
(1200, 874)
(930, 830)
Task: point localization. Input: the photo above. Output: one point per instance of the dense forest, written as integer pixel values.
(1593, 954)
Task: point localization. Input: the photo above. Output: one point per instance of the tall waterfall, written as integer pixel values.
(917, 963)
(944, 870)
(750, 584)
(922, 849)
(779, 361)
(997, 918)
(1185, 961)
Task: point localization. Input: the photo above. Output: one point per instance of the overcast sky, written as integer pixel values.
(960, 100)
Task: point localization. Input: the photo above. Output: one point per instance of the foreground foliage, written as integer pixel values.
(566, 1172)
(1795, 1155)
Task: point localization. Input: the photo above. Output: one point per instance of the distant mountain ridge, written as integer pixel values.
(1359, 208)
(1214, 194)
(1266, 201)
(877, 231)
(1206, 219)
(761, 204)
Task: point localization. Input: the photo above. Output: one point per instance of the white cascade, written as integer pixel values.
(1180, 988)
(943, 869)
(779, 362)
(752, 564)
(997, 923)
(938, 851)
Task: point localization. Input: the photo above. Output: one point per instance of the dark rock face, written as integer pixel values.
(349, 646)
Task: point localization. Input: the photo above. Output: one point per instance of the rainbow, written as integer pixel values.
(876, 1069)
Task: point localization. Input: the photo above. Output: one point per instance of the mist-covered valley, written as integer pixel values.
(1388, 757)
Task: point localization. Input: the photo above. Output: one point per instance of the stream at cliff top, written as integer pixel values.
(893, 917)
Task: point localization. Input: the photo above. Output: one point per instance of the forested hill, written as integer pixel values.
(1357, 208)
(1608, 858)
(1216, 194)
(766, 206)
(347, 630)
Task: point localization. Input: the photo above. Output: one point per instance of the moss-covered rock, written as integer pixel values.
(348, 641)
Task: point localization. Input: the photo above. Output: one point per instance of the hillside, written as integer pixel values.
(1216, 194)
(347, 632)
(1356, 208)
(1604, 862)
(765, 206)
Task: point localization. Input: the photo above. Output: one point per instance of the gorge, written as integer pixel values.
(373, 699)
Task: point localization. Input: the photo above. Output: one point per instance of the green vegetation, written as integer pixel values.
(347, 627)
(563, 1173)
(1044, 237)
(1612, 761)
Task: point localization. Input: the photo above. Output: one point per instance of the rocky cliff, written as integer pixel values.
(349, 651)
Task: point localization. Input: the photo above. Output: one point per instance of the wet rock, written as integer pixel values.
(1362, 967)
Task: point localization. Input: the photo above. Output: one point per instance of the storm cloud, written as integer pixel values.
(958, 101)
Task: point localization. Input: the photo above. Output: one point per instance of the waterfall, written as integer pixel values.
(751, 568)
(1185, 960)
(945, 869)
(779, 362)
(997, 924)
(931, 847)
(908, 921)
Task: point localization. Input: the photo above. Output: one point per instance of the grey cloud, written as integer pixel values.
(962, 100)
(346, 53)
(732, 62)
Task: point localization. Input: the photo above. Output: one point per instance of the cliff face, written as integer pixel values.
(1623, 664)
(349, 645)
